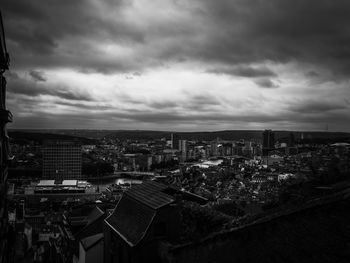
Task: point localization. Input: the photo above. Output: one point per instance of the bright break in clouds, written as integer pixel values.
(179, 65)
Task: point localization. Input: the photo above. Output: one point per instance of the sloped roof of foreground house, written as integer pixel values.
(138, 206)
(91, 241)
(92, 218)
(151, 193)
(136, 210)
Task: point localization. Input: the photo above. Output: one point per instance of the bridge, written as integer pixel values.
(135, 173)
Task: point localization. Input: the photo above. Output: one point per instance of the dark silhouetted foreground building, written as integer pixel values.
(62, 160)
(316, 231)
(144, 215)
(5, 117)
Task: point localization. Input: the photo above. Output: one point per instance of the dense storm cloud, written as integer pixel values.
(203, 65)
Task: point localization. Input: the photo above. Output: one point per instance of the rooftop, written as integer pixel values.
(52, 183)
(131, 219)
(91, 241)
(150, 193)
(139, 205)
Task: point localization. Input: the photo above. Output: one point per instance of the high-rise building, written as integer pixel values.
(214, 148)
(248, 149)
(268, 141)
(175, 141)
(291, 140)
(62, 160)
(183, 149)
(182, 145)
(227, 149)
(5, 117)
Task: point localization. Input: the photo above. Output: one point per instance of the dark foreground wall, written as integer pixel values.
(317, 234)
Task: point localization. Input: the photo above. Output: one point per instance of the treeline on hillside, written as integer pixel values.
(229, 135)
(308, 137)
(19, 137)
(202, 136)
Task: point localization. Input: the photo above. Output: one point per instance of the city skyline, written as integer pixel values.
(174, 65)
(168, 131)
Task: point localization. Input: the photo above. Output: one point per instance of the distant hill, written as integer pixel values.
(25, 137)
(90, 136)
(203, 136)
(232, 135)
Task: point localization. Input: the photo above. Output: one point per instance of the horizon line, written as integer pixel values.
(172, 131)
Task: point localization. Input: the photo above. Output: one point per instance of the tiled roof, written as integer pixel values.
(95, 214)
(136, 210)
(90, 241)
(151, 194)
(138, 206)
(131, 220)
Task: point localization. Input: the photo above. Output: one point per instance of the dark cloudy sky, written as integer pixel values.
(179, 64)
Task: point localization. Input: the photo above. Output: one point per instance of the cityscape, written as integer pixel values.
(69, 195)
(92, 172)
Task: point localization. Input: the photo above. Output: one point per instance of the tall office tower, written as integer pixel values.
(5, 117)
(62, 160)
(248, 149)
(291, 140)
(183, 149)
(227, 149)
(268, 141)
(214, 148)
(175, 141)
